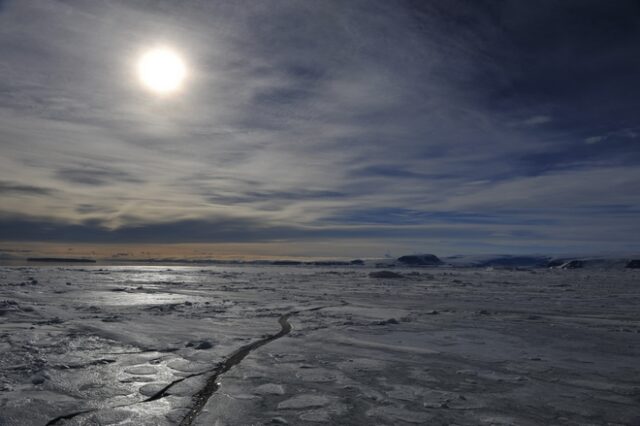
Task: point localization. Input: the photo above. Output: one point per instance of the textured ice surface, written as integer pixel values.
(443, 346)
(304, 401)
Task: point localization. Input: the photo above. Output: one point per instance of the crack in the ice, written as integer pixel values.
(102, 361)
(70, 416)
(212, 385)
(163, 392)
(202, 396)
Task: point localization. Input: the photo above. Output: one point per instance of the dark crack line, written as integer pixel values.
(88, 364)
(164, 391)
(144, 351)
(202, 396)
(70, 416)
(212, 385)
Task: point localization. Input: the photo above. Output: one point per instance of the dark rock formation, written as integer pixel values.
(634, 264)
(420, 260)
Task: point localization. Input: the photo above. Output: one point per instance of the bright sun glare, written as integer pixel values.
(161, 70)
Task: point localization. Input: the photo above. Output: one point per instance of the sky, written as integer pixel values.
(322, 128)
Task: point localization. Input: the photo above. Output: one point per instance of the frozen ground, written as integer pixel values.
(168, 346)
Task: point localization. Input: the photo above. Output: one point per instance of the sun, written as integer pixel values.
(161, 70)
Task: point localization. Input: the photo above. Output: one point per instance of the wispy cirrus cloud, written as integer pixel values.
(357, 120)
(93, 176)
(16, 188)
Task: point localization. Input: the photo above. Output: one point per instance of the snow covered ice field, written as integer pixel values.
(114, 345)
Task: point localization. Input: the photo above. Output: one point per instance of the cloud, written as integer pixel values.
(95, 177)
(16, 188)
(536, 120)
(320, 120)
(622, 135)
(594, 139)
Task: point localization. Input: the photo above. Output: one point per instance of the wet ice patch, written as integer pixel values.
(141, 370)
(243, 396)
(304, 401)
(270, 389)
(125, 298)
(110, 417)
(137, 379)
(320, 416)
(185, 366)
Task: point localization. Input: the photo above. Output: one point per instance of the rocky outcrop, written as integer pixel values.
(420, 260)
(633, 264)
